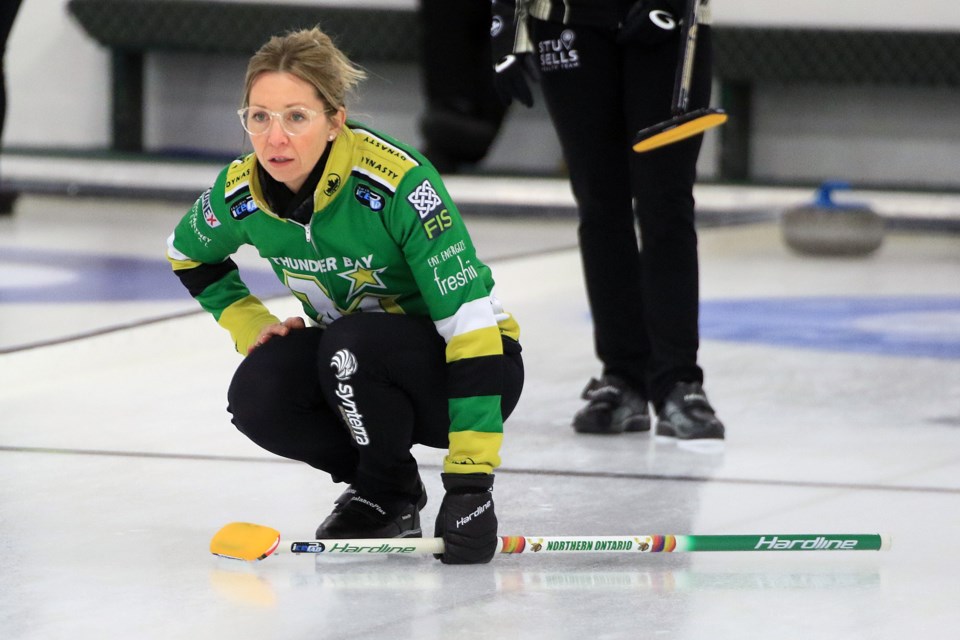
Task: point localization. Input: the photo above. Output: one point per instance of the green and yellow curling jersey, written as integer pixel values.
(385, 236)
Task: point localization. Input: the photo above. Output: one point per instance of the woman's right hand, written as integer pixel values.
(277, 329)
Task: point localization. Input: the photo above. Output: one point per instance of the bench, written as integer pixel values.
(132, 28)
(745, 57)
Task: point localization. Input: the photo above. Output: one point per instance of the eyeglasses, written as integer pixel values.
(294, 121)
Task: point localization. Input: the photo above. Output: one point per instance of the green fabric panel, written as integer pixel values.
(479, 413)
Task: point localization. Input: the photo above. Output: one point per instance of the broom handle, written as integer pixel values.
(601, 544)
(688, 49)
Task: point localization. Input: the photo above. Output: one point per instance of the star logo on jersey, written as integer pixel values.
(361, 277)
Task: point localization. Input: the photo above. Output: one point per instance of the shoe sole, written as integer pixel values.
(628, 426)
(637, 424)
(597, 432)
(696, 445)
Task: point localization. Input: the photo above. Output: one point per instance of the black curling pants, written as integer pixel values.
(644, 298)
(464, 112)
(353, 398)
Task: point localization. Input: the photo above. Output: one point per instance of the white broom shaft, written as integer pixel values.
(601, 544)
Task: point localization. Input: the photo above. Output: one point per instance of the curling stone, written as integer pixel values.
(827, 228)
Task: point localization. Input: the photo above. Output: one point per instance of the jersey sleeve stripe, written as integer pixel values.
(175, 256)
(471, 316)
(482, 342)
(472, 452)
(244, 319)
(481, 376)
(198, 278)
(180, 265)
(369, 176)
(479, 413)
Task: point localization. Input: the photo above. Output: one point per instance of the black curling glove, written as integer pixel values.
(513, 61)
(650, 22)
(466, 520)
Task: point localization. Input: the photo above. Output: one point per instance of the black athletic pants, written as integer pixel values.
(464, 111)
(644, 301)
(383, 374)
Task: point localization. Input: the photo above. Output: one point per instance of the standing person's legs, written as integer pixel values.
(581, 79)
(662, 182)
(584, 100)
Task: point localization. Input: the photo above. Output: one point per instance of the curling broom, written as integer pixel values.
(248, 541)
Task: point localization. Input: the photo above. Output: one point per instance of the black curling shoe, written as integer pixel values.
(357, 516)
(612, 407)
(688, 419)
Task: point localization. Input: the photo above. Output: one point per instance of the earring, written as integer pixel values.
(331, 137)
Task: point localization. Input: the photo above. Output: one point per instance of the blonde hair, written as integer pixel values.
(310, 55)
